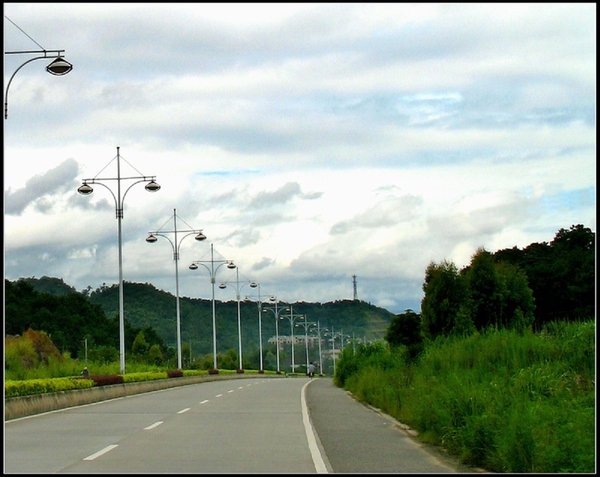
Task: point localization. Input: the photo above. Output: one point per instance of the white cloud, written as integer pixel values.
(309, 142)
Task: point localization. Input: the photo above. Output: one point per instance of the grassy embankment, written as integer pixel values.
(501, 400)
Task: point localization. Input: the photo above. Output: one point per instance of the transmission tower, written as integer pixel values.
(354, 287)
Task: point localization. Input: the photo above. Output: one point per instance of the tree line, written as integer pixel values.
(511, 288)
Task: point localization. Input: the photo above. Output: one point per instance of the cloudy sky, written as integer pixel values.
(309, 142)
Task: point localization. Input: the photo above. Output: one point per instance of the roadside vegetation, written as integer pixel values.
(499, 367)
(33, 365)
(502, 400)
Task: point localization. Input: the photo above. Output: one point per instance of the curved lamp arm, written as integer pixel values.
(58, 67)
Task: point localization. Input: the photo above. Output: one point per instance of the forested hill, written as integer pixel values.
(146, 306)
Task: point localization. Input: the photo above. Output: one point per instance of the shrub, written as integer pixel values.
(107, 380)
(40, 386)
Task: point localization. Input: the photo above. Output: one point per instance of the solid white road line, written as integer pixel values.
(315, 453)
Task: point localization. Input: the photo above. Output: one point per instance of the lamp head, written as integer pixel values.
(231, 265)
(152, 186)
(222, 286)
(85, 189)
(193, 266)
(253, 285)
(59, 67)
(200, 237)
(151, 238)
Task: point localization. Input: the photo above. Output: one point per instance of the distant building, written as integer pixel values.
(298, 339)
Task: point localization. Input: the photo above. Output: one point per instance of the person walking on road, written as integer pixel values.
(311, 370)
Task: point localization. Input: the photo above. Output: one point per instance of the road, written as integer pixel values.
(291, 425)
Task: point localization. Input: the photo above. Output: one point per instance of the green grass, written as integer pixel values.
(502, 400)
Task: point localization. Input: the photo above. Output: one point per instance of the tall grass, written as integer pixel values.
(501, 400)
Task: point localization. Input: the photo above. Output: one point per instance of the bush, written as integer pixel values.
(106, 380)
(39, 386)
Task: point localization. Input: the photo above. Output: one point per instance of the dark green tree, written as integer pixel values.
(444, 294)
(561, 275)
(485, 300)
(405, 329)
(516, 298)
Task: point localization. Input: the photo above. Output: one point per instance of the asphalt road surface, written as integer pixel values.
(286, 425)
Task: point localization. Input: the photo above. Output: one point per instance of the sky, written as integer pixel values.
(309, 142)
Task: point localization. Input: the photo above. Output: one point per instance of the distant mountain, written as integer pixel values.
(54, 286)
(144, 305)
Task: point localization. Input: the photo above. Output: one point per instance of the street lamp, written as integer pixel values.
(213, 272)
(58, 67)
(334, 335)
(320, 352)
(176, 248)
(239, 316)
(292, 318)
(86, 189)
(260, 340)
(276, 312)
(306, 324)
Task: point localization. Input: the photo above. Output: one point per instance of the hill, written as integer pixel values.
(146, 306)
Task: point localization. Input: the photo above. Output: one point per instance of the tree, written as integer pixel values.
(155, 355)
(444, 294)
(561, 274)
(516, 298)
(484, 301)
(405, 330)
(140, 345)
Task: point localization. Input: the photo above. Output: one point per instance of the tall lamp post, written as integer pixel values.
(58, 67)
(213, 272)
(276, 311)
(320, 352)
(306, 324)
(86, 189)
(176, 248)
(239, 314)
(334, 335)
(260, 340)
(292, 318)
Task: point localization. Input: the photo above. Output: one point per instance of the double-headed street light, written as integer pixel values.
(260, 350)
(213, 272)
(86, 189)
(239, 317)
(334, 335)
(58, 67)
(306, 324)
(276, 311)
(260, 340)
(292, 317)
(176, 248)
(320, 352)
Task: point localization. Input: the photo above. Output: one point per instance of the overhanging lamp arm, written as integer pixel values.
(58, 67)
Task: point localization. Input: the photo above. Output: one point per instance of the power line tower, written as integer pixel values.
(354, 287)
